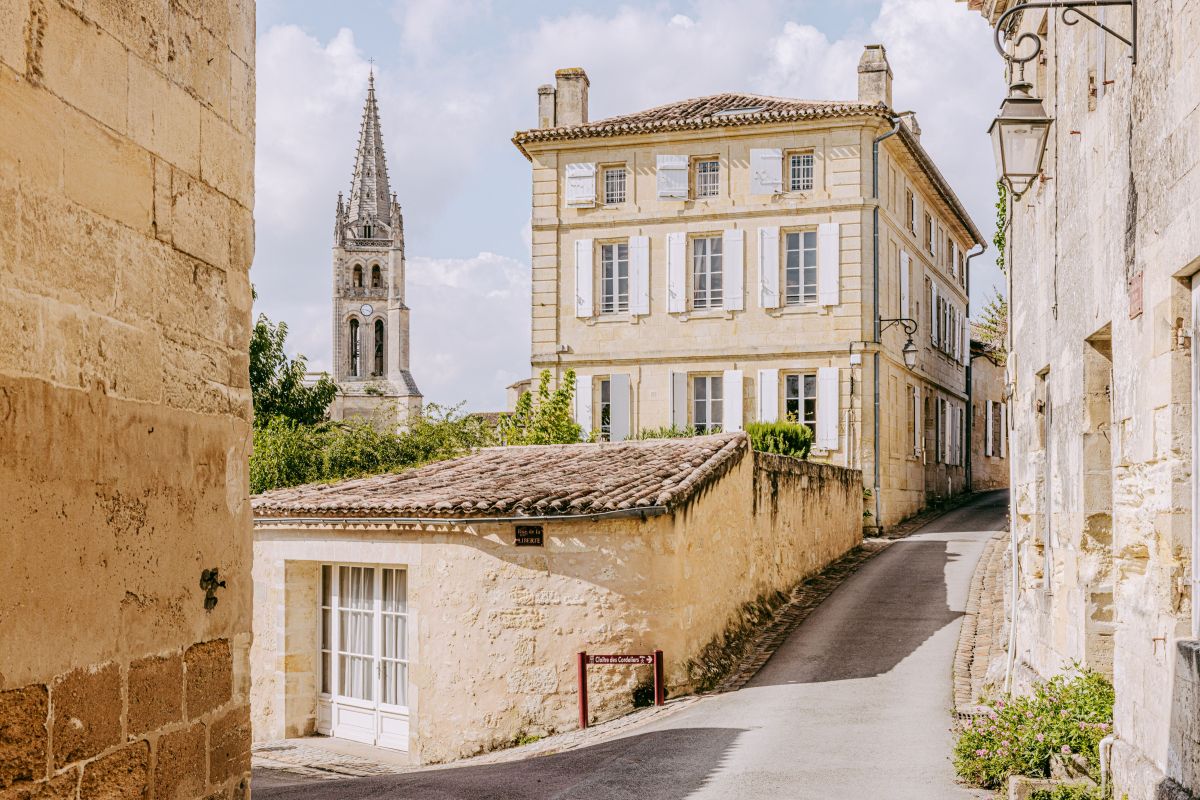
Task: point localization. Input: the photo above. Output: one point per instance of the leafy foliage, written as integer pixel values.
(1069, 791)
(277, 382)
(288, 454)
(1000, 238)
(992, 328)
(782, 438)
(1064, 716)
(548, 421)
(671, 432)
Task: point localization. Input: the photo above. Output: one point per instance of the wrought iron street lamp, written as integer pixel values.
(910, 327)
(1019, 138)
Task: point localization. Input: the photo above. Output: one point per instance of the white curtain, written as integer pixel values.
(357, 606)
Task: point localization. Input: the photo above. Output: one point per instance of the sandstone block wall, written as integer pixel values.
(126, 189)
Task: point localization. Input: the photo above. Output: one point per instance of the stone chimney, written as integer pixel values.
(570, 97)
(914, 127)
(546, 106)
(874, 76)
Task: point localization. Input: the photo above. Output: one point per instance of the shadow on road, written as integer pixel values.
(664, 765)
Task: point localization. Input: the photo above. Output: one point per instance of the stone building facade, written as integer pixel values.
(1104, 257)
(714, 261)
(627, 547)
(126, 235)
(989, 421)
(370, 319)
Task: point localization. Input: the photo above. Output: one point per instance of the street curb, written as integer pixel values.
(971, 655)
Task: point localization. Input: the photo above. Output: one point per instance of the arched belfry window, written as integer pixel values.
(378, 346)
(358, 276)
(376, 277)
(355, 350)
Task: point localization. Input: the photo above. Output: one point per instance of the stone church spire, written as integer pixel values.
(370, 193)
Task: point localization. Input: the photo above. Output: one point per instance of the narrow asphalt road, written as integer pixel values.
(855, 704)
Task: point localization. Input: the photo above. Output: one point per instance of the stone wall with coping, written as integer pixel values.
(126, 234)
(494, 629)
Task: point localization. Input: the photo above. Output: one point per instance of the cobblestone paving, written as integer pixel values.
(982, 636)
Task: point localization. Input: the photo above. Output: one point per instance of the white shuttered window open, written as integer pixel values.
(733, 389)
(672, 177)
(618, 411)
(829, 267)
(734, 245)
(768, 267)
(828, 412)
(917, 420)
(933, 312)
(583, 278)
(767, 393)
(639, 269)
(1003, 430)
(766, 171)
(987, 442)
(583, 403)
(679, 400)
(904, 284)
(676, 272)
(581, 184)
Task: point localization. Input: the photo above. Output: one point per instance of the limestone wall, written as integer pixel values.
(494, 629)
(989, 465)
(126, 189)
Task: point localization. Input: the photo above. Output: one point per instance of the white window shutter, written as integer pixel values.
(731, 407)
(934, 312)
(679, 400)
(1003, 429)
(766, 171)
(987, 442)
(584, 306)
(733, 249)
(618, 410)
(828, 412)
(672, 177)
(581, 184)
(583, 403)
(917, 419)
(946, 432)
(768, 267)
(904, 297)
(966, 341)
(829, 266)
(676, 272)
(954, 259)
(768, 395)
(639, 268)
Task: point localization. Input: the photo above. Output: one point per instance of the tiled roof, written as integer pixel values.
(729, 108)
(549, 480)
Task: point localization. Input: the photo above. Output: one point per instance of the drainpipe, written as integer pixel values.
(970, 359)
(895, 118)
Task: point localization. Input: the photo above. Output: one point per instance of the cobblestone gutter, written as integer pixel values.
(981, 639)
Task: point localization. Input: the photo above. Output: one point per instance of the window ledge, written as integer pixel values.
(611, 319)
(802, 309)
(704, 313)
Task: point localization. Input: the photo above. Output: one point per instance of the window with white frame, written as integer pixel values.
(614, 278)
(708, 177)
(604, 408)
(913, 411)
(614, 185)
(364, 633)
(800, 399)
(707, 403)
(800, 267)
(707, 283)
(930, 241)
(911, 210)
(800, 172)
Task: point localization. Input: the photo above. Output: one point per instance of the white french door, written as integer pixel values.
(364, 654)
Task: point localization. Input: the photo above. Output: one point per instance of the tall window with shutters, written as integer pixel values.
(614, 278)
(910, 210)
(800, 172)
(604, 409)
(707, 272)
(930, 241)
(800, 267)
(614, 185)
(708, 177)
(996, 429)
(708, 399)
(800, 399)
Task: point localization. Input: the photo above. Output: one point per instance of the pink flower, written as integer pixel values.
(1083, 726)
(1103, 726)
(1066, 750)
(981, 752)
(1040, 737)
(1063, 713)
(992, 716)
(968, 722)
(1029, 714)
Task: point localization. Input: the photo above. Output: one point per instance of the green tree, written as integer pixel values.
(548, 421)
(992, 328)
(277, 382)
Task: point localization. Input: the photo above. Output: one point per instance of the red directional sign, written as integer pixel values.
(626, 659)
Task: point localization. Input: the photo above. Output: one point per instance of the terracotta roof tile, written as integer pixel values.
(534, 481)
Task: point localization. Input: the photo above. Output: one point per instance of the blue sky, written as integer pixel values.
(456, 78)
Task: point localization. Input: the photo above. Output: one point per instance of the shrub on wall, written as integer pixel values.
(1063, 717)
(781, 438)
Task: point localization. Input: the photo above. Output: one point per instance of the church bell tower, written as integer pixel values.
(370, 318)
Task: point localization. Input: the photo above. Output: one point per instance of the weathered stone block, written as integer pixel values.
(198, 59)
(60, 787)
(13, 16)
(23, 734)
(209, 676)
(180, 764)
(226, 158)
(122, 775)
(31, 138)
(163, 118)
(107, 174)
(241, 95)
(140, 26)
(229, 745)
(155, 693)
(199, 220)
(85, 66)
(87, 712)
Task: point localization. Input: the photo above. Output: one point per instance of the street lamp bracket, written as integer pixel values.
(1071, 15)
(909, 325)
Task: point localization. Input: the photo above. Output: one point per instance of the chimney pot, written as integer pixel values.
(571, 97)
(874, 76)
(546, 106)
